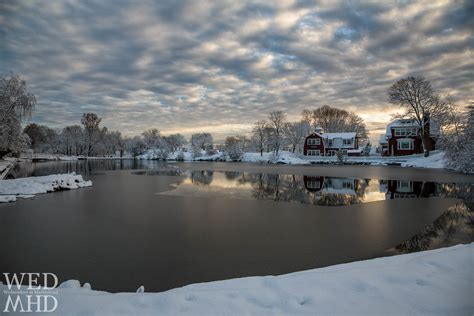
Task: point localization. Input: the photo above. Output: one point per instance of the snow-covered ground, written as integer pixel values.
(284, 157)
(10, 190)
(435, 282)
(436, 160)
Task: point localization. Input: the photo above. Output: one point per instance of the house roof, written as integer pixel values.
(339, 135)
(434, 126)
(400, 123)
(335, 135)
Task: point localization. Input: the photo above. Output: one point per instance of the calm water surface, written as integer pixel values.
(165, 225)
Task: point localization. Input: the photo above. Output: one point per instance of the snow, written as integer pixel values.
(10, 190)
(339, 135)
(283, 157)
(435, 282)
(434, 160)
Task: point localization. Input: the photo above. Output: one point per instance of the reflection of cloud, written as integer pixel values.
(188, 64)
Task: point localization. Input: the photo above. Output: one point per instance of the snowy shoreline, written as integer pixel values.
(429, 282)
(12, 189)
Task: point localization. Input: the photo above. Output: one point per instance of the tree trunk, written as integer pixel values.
(426, 151)
(294, 147)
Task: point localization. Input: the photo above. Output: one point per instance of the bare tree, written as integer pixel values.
(294, 133)
(334, 120)
(92, 131)
(234, 147)
(16, 103)
(420, 102)
(175, 141)
(277, 121)
(259, 135)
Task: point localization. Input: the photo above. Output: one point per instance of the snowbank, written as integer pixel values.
(283, 157)
(434, 160)
(430, 282)
(10, 190)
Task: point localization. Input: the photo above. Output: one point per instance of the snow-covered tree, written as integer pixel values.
(277, 121)
(175, 141)
(459, 144)
(294, 133)
(16, 104)
(420, 102)
(151, 137)
(234, 147)
(202, 141)
(135, 145)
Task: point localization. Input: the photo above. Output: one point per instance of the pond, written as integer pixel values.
(164, 225)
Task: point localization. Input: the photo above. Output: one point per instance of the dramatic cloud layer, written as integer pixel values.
(189, 66)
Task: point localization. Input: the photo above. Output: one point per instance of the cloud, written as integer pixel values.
(219, 66)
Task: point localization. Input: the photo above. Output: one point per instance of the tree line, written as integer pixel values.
(413, 95)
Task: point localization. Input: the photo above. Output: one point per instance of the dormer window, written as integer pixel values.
(347, 141)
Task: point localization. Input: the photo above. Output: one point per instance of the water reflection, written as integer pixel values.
(84, 167)
(327, 191)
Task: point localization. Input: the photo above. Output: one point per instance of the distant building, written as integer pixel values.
(403, 137)
(328, 144)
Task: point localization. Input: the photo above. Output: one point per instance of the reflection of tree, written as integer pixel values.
(232, 175)
(203, 177)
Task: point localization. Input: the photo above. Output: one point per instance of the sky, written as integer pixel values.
(219, 66)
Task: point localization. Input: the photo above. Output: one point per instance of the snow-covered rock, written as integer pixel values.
(10, 190)
(435, 282)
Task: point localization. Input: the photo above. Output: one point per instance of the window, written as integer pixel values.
(404, 186)
(347, 185)
(313, 184)
(332, 152)
(347, 141)
(313, 141)
(406, 131)
(329, 142)
(312, 152)
(405, 144)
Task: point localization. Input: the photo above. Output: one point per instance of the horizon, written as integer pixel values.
(172, 67)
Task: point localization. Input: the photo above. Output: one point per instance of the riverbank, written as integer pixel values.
(436, 282)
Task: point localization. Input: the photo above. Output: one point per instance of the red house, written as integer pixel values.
(403, 138)
(328, 144)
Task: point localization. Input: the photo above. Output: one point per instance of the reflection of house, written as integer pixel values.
(328, 144)
(397, 189)
(331, 185)
(403, 137)
(313, 184)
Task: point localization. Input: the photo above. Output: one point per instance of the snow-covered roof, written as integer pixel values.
(339, 135)
(434, 126)
(401, 123)
(383, 139)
